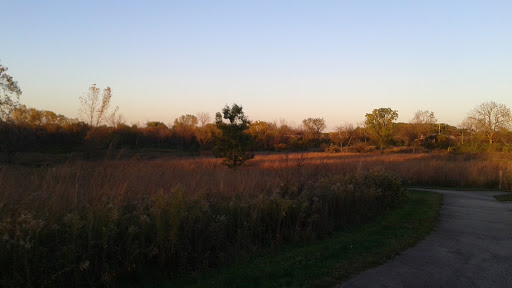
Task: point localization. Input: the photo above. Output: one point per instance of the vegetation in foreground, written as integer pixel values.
(328, 262)
(93, 223)
(94, 235)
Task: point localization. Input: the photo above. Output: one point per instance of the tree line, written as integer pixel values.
(99, 127)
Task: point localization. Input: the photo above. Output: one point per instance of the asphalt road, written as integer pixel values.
(472, 247)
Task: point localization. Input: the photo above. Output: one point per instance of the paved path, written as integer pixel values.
(471, 247)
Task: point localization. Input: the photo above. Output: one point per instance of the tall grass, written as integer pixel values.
(425, 169)
(92, 223)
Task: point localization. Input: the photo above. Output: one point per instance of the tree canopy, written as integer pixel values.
(233, 140)
(9, 93)
(313, 128)
(380, 124)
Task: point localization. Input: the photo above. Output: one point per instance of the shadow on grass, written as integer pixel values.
(325, 263)
(504, 197)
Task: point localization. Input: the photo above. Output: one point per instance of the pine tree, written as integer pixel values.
(233, 140)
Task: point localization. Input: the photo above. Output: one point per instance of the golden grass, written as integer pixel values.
(94, 181)
(190, 213)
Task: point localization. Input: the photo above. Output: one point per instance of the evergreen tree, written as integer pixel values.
(233, 140)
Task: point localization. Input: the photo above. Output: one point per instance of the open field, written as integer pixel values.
(102, 220)
(153, 171)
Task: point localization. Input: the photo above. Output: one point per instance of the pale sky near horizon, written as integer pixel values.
(278, 59)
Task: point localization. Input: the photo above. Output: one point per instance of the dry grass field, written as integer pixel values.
(90, 223)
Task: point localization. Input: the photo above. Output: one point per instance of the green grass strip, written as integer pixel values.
(324, 263)
(504, 197)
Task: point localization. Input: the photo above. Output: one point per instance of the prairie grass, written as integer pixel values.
(92, 223)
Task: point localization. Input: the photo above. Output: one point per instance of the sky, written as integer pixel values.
(291, 60)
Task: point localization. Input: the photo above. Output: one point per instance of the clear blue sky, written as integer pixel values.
(279, 59)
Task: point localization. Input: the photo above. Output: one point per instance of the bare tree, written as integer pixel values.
(423, 123)
(117, 120)
(204, 118)
(345, 134)
(424, 117)
(203, 132)
(489, 118)
(95, 111)
(468, 125)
